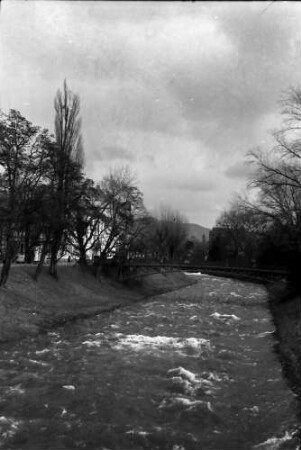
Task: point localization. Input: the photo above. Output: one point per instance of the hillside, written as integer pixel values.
(197, 231)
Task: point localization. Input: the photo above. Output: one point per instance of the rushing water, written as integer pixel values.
(192, 369)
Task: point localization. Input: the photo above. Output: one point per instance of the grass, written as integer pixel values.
(28, 307)
(285, 307)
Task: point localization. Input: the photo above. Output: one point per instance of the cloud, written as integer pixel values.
(134, 105)
(240, 169)
(244, 82)
(115, 153)
(196, 185)
(178, 90)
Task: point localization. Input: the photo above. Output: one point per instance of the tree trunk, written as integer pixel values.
(41, 262)
(82, 253)
(9, 254)
(53, 267)
(55, 246)
(5, 271)
(82, 259)
(27, 249)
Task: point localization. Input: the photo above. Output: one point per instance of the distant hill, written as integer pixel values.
(195, 231)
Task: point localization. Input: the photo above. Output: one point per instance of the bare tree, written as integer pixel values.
(281, 166)
(169, 233)
(86, 220)
(23, 160)
(278, 177)
(241, 228)
(67, 157)
(141, 242)
(123, 205)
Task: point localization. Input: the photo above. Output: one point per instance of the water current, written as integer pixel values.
(187, 370)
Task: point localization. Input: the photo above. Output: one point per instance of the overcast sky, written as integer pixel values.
(178, 91)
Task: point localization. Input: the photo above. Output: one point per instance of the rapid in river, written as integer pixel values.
(187, 370)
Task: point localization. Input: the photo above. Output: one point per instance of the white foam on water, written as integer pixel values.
(94, 343)
(185, 305)
(39, 363)
(138, 433)
(41, 352)
(140, 342)
(212, 376)
(193, 273)
(188, 383)
(17, 389)
(273, 443)
(69, 387)
(59, 342)
(183, 373)
(217, 315)
(265, 333)
(184, 403)
(53, 333)
(64, 411)
(234, 294)
(9, 427)
(256, 294)
(211, 294)
(254, 410)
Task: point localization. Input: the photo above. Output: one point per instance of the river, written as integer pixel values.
(187, 370)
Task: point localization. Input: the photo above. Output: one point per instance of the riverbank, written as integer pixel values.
(28, 307)
(285, 308)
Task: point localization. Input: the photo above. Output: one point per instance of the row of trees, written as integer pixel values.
(46, 200)
(161, 237)
(267, 230)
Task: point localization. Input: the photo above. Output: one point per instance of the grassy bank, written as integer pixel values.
(285, 308)
(29, 307)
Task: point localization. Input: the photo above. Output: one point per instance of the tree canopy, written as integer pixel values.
(48, 203)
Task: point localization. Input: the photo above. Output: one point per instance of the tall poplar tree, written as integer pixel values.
(67, 157)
